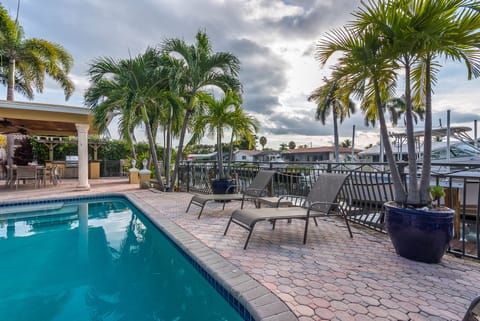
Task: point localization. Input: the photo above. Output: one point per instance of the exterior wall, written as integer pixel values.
(307, 157)
(242, 157)
(314, 157)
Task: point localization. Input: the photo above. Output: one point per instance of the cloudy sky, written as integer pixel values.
(274, 40)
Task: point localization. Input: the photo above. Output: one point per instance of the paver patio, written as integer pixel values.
(332, 277)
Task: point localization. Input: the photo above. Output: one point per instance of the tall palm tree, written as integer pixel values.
(329, 99)
(25, 62)
(366, 71)
(171, 118)
(132, 86)
(200, 68)
(218, 116)
(454, 35)
(416, 33)
(174, 107)
(263, 141)
(397, 109)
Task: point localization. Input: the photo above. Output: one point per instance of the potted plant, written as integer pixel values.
(387, 36)
(215, 117)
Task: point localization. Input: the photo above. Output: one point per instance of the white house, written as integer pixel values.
(315, 154)
(246, 155)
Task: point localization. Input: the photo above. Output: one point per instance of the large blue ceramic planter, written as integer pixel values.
(223, 186)
(417, 234)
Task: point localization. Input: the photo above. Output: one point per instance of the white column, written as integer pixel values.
(10, 148)
(82, 137)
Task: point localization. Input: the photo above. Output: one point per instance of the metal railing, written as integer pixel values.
(368, 187)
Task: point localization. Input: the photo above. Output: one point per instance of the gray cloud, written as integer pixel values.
(316, 19)
(262, 75)
(92, 28)
(303, 122)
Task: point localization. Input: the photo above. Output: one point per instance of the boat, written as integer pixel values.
(273, 161)
(458, 149)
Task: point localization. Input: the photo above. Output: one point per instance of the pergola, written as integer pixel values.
(50, 120)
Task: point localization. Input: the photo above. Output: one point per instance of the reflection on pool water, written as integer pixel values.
(97, 260)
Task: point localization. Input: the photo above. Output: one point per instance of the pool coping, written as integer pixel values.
(260, 302)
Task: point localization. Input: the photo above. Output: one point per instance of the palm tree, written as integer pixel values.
(263, 141)
(365, 70)
(416, 33)
(199, 68)
(347, 143)
(397, 109)
(218, 115)
(456, 36)
(329, 99)
(243, 126)
(131, 86)
(25, 62)
(171, 117)
(291, 145)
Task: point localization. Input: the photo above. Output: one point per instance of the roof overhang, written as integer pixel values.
(42, 119)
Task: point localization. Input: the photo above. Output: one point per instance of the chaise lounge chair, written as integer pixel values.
(257, 188)
(473, 312)
(319, 202)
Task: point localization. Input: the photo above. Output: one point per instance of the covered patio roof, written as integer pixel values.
(42, 119)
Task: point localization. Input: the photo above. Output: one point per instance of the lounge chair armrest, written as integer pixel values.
(297, 200)
(256, 192)
(330, 205)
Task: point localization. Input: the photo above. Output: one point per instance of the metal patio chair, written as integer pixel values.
(25, 173)
(319, 202)
(257, 188)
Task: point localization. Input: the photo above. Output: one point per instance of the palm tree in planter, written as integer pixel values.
(217, 116)
(243, 126)
(388, 35)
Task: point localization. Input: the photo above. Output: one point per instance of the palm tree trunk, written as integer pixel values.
(153, 151)
(400, 193)
(11, 79)
(335, 134)
(220, 154)
(168, 154)
(230, 154)
(181, 140)
(10, 97)
(412, 197)
(167, 177)
(427, 144)
(132, 144)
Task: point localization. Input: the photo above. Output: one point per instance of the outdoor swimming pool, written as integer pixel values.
(99, 259)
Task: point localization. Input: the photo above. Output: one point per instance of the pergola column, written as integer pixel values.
(10, 148)
(82, 137)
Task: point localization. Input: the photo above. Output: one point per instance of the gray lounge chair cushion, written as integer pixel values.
(249, 217)
(216, 197)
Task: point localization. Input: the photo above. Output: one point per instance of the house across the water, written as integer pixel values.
(314, 154)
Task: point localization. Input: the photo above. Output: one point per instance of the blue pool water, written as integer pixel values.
(101, 260)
